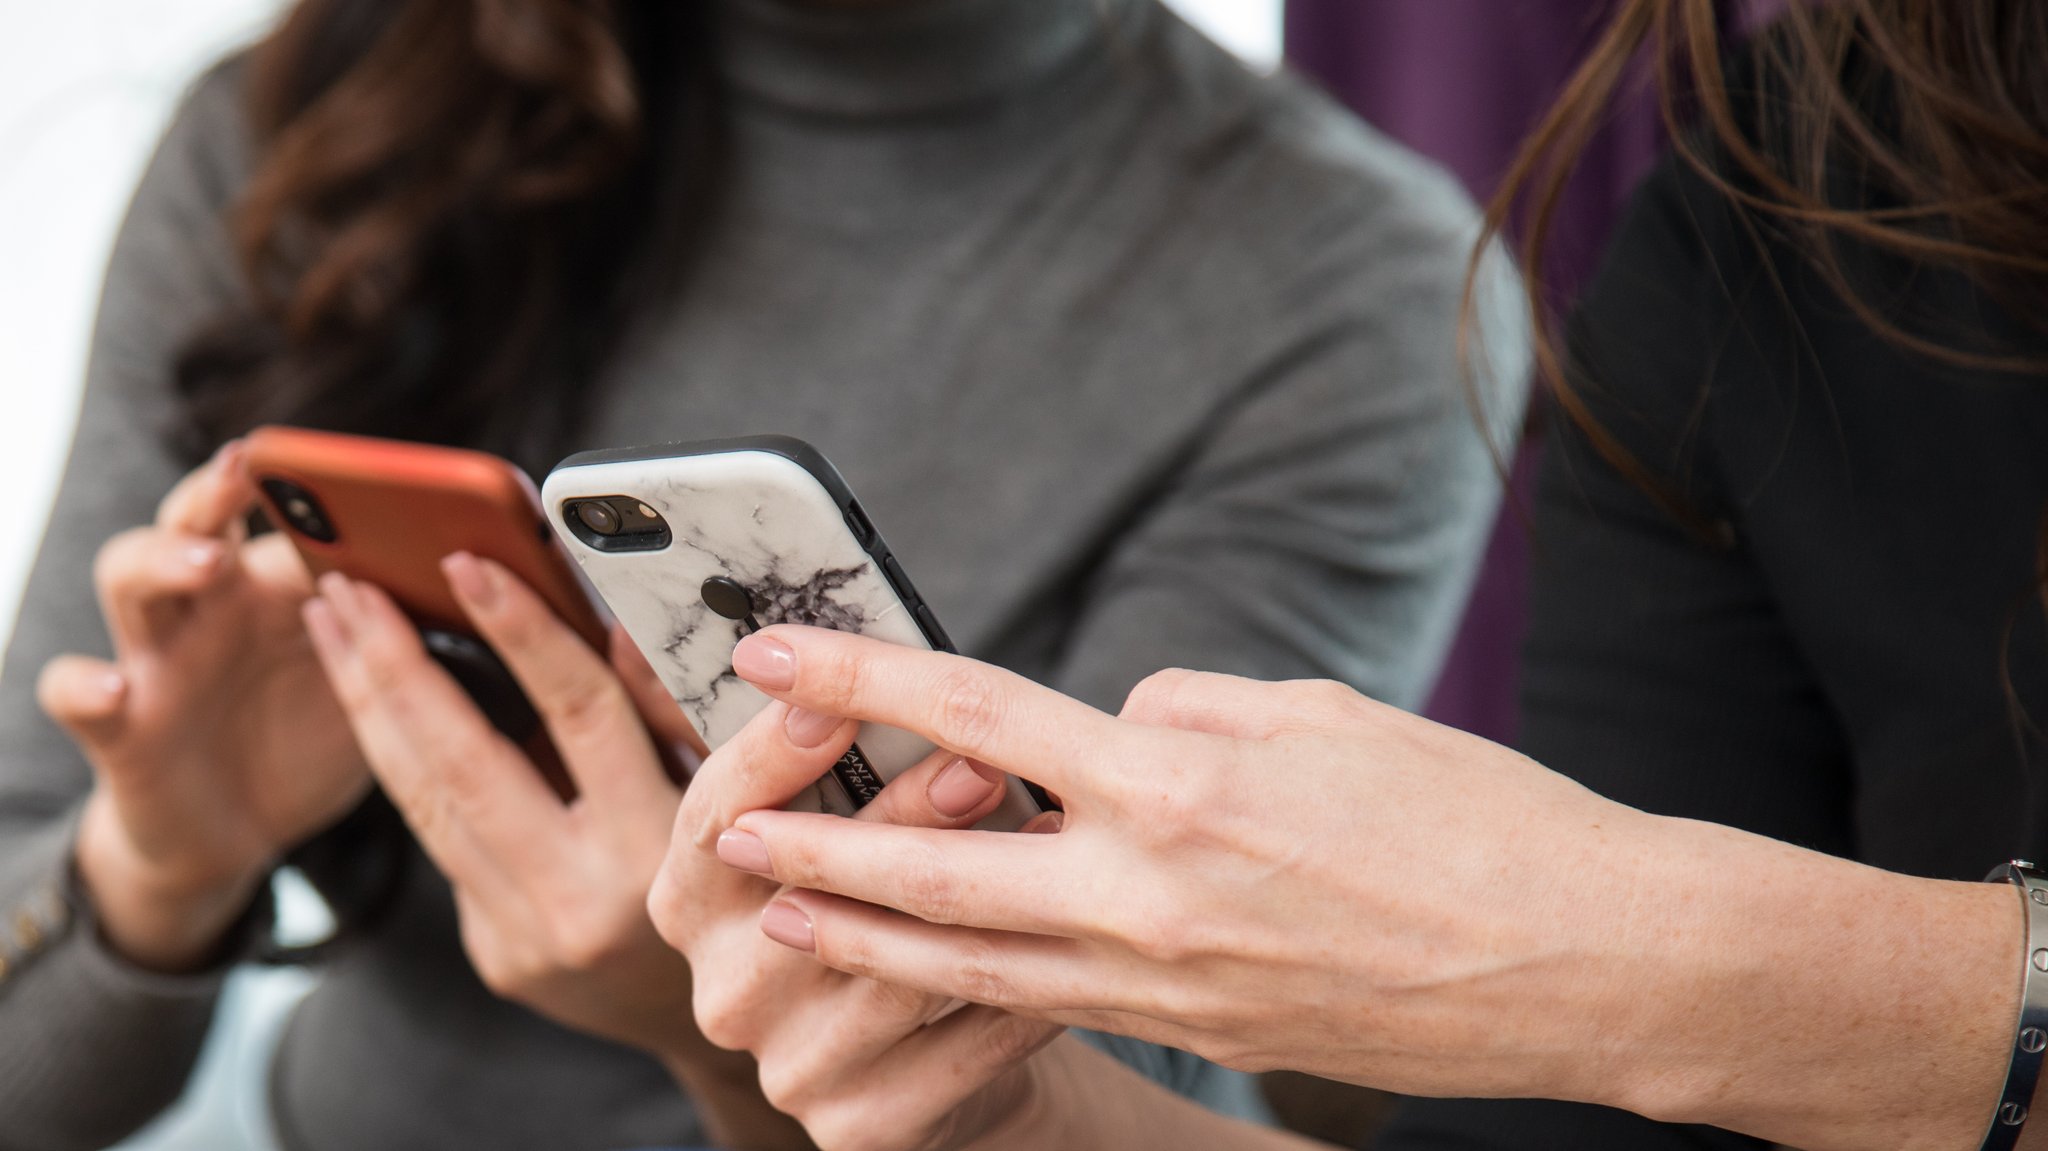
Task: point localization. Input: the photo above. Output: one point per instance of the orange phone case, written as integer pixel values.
(397, 508)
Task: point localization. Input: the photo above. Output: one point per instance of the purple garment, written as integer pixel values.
(1463, 81)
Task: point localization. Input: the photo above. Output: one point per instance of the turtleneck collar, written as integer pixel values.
(902, 58)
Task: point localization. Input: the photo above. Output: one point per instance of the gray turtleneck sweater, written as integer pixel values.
(1141, 360)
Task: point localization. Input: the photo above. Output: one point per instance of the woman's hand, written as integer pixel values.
(1292, 875)
(215, 742)
(552, 896)
(860, 1064)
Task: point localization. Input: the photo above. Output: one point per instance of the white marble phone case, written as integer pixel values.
(765, 513)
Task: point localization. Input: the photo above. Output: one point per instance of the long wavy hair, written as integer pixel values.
(459, 209)
(1939, 107)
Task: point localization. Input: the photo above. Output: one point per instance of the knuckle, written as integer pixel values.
(1328, 699)
(970, 708)
(113, 564)
(669, 909)
(584, 943)
(787, 1086)
(1010, 1040)
(723, 1013)
(587, 706)
(930, 888)
(1155, 700)
(984, 977)
(1159, 938)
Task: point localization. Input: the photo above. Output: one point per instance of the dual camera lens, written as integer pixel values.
(302, 513)
(616, 524)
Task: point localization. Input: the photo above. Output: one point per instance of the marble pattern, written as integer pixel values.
(762, 520)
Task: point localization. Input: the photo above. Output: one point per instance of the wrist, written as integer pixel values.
(162, 918)
(1812, 1000)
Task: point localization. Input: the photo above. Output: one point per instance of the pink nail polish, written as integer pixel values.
(808, 728)
(963, 786)
(768, 664)
(786, 923)
(745, 851)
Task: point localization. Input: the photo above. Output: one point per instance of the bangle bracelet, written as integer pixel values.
(2030, 1035)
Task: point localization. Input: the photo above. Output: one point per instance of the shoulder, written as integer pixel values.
(205, 153)
(173, 265)
(1302, 174)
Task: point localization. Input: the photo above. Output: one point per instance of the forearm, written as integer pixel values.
(93, 1047)
(1809, 1000)
(726, 1088)
(1085, 1100)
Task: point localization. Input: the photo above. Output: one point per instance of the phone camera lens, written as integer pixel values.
(615, 523)
(301, 512)
(599, 517)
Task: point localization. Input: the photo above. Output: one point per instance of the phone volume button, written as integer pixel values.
(857, 522)
(932, 630)
(898, 580)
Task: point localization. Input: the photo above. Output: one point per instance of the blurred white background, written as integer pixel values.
(85, 86)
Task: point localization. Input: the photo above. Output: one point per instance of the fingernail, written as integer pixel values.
(229, 457)
(745, 851)
(808, 728)
(324, 625)
(1048, 823)
(471, 580)
(786, 923)
(113, 685)
(203, 555)
(766, 663)
(963, 786)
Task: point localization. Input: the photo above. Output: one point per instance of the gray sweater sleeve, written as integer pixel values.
(1331, 523)
(90, 1047)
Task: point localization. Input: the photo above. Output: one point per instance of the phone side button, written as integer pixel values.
(898, 580)
(857, 521)
(932, 630)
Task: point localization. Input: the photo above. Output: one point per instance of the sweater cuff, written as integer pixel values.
(47, 916)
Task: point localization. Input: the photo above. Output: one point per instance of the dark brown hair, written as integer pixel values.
(458, 208)
(1939, 108)
(457, 212)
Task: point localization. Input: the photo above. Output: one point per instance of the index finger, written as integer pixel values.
(967, 707)
(211, 499)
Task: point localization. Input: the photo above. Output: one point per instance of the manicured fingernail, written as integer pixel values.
(786, 923)
(808, 728)
(203, 556)
(471, 579)
(963, 786)
(745, 851)
(766, 663)
(1046, 823)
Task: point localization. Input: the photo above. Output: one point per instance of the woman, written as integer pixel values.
(1793, 593)
(1142, 359)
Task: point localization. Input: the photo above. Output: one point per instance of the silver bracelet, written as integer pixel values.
(2030, 1035)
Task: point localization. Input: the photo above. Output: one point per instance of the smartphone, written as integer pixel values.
(387, 512)
(695, 546)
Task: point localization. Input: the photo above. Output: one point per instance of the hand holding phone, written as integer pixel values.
(695, 546)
